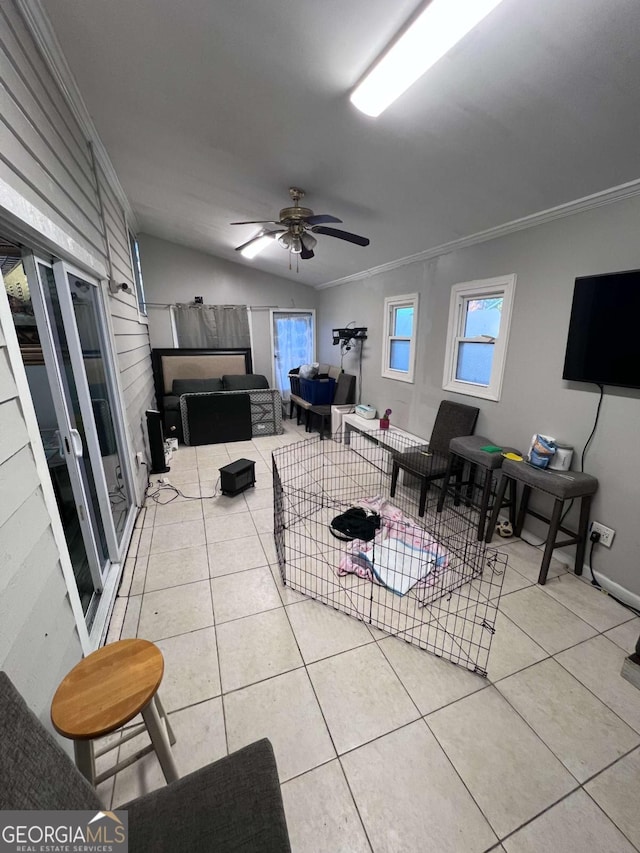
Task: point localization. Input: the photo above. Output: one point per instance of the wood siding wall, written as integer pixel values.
(38, 638)
(45, 157)
(131, 336)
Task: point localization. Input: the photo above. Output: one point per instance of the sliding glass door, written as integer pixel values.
(80, 301)
(85, 448)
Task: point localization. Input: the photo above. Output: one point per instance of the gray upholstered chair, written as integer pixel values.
(233, 804)
(429, 462)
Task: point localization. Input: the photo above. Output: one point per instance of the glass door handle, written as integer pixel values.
(76, 442)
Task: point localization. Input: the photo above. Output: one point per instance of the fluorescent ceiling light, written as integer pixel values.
(255, 248)
(442, 24)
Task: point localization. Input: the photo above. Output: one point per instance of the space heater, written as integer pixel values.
(156, 442)
(237, 476)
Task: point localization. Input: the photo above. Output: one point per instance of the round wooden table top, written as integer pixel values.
(107, 689)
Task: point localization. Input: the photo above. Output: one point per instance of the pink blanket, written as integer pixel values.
(393, 524)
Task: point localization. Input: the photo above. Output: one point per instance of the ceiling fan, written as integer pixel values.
(297, 225)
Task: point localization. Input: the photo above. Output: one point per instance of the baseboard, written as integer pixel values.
(609, 586)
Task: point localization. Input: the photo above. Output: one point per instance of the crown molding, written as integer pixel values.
(581, 205)
(44, 35)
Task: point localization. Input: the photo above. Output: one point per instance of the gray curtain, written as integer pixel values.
(212, 326)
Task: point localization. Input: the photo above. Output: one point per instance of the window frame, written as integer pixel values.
(138, 283)
(502, 286)
(391, 303)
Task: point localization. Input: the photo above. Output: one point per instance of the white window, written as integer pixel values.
(479, 320)
(137, 274)
(399, 337)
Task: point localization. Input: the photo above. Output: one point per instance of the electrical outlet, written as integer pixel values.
(606, 533)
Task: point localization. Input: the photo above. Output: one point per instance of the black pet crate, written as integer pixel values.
(427, 580)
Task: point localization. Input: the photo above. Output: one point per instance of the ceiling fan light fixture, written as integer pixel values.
(433, 33)
(285, 240)
(256, 247)
(309, 241)
(295, 246)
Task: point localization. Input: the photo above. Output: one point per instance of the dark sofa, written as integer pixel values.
(233, 804)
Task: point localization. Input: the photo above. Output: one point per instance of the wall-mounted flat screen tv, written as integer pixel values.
(603, 345)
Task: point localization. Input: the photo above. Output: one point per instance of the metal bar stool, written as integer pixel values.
(561, 487)
(466, 450)
(106, 690)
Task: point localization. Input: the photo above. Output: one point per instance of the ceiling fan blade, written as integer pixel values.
(257, 222)
(341, 235)
(273, 234)
(321, 218)
(306, 254)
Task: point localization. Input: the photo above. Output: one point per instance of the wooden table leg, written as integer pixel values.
(85, 762)
(160, 741)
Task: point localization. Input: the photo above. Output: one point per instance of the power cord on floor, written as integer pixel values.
(176, 493)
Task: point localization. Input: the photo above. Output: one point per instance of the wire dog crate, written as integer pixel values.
(426, 580)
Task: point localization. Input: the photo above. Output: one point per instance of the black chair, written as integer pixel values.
(429, 462)
(345, 394)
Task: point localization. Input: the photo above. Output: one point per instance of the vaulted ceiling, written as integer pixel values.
(211, 109)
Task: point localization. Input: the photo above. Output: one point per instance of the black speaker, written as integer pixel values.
(156, 442)
(237, 476)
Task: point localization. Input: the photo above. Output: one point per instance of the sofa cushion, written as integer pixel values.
(171, 403)
(244, 382)
(196, 386)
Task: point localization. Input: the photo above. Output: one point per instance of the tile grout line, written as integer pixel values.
(608, 817)
(580, 785)
(337, 754)
(586, 687)
(549, 656)
(215, 634)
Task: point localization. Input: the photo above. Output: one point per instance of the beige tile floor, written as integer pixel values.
(381, 746)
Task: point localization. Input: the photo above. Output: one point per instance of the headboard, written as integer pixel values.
(170, 364)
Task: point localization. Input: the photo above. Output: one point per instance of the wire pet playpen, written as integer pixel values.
(427, 580)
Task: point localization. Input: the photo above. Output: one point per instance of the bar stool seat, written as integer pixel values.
(561, 487)
(468, 449)
(104, 692)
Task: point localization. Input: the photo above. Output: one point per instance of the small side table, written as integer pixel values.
(561, 486)
(106, 690)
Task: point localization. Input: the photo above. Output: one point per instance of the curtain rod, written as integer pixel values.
(250, 307)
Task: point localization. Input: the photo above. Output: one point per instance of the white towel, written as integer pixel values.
(398, 565)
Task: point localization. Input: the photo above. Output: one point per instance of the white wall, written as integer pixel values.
(546, 260)
(175, 273)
